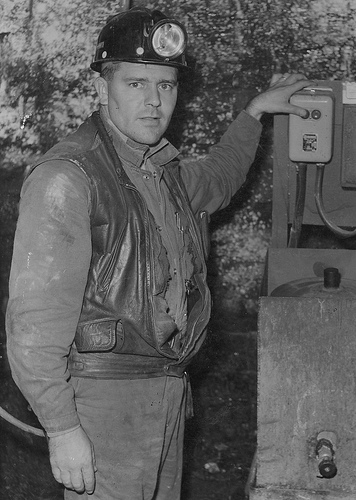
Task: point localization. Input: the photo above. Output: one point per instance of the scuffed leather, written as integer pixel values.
(118, 295)
(100, 336)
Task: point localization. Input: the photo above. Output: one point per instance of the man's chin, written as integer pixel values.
(148, 139)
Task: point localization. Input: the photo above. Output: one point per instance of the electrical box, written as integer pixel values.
(311, 138)
(337, 149)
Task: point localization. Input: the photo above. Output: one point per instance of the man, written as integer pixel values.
(108, 296)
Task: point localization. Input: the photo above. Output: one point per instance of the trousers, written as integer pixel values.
(137, 429)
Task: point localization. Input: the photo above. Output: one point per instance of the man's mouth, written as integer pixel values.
(153, 120)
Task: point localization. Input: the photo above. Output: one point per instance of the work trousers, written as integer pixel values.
(137, 429)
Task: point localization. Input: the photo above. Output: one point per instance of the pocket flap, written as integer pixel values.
(98, 336)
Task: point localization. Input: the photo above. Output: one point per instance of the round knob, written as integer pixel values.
(316, 114)
(332, 277)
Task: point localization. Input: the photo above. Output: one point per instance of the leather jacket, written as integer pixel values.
(118, 312)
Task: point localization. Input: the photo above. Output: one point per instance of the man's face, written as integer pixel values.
(140, 99)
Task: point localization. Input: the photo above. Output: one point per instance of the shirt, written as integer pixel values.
(144, 166)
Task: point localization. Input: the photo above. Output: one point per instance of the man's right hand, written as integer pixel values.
(72, 460)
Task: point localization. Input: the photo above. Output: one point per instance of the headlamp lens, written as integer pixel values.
(168, 40)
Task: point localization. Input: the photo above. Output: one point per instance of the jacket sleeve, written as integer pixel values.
(51, 258)
(212, 181)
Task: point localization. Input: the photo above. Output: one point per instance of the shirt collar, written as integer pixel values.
(135, 153)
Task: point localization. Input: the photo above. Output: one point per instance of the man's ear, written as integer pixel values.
(101, 87)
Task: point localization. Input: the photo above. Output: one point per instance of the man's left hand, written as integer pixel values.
(276, 98)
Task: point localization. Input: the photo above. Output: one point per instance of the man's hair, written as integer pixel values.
(109, 69)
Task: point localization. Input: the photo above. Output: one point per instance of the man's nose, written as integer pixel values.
(153, 97)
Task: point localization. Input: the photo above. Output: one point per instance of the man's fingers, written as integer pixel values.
(296, 110)
(93, 459)
(292, 81)
(56, 474)
(275, 78)
(294, 77)
(66, 479)
(74, 480)
(89, 479)
(77, 482)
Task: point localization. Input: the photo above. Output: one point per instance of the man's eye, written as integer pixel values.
(166, 86)
(135, 85)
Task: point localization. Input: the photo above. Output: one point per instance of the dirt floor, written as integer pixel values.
(220, 439)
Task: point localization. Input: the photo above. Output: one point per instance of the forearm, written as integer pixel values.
(212, 181)
(40, 369)
(49, 270)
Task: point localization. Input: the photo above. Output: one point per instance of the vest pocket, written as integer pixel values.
(99, 336)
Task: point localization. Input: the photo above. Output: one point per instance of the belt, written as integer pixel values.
(121, 366)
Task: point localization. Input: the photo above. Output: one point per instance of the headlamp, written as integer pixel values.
(168, 39)
(142, 36)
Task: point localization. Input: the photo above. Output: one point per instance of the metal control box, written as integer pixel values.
(311, 138)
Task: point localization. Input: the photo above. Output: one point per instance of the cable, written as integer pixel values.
(21, 425)
(318, 195)
(301, 171)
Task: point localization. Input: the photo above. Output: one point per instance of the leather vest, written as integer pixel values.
(118, 313)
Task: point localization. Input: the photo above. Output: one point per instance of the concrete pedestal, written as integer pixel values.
(306, 386)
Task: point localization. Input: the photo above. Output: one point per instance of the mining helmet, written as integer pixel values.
(141, 36)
